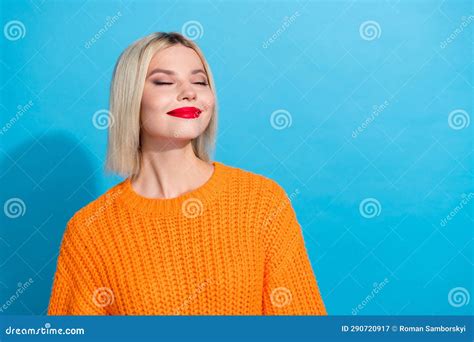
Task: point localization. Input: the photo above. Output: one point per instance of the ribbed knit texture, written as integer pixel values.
(233, 246)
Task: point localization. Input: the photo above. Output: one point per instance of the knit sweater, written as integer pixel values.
(233, 246)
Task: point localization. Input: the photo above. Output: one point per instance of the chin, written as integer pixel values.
(184, 135)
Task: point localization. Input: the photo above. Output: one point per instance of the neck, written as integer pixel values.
(170, 171)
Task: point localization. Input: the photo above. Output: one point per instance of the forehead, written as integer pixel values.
(177, 57)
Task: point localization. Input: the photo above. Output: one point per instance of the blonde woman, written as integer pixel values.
(181, 235)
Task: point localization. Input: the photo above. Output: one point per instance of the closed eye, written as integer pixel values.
(167, 83)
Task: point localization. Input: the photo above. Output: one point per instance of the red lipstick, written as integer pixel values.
(185, 112)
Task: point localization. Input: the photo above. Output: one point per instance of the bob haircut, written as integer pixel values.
(126, 90)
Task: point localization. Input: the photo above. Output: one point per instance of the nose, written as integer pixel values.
(186, 92)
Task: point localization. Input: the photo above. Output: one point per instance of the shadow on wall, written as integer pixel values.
(44, 182)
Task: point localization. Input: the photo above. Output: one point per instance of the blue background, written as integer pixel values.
(321, 70)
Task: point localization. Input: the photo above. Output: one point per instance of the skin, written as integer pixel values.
(169, 167)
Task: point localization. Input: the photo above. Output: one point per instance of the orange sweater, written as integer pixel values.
(230, 247)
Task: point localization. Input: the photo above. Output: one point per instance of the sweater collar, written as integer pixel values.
(190, 204)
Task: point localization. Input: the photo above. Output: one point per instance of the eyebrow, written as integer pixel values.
(171, 72)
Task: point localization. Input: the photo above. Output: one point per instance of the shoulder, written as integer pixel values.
(90, 215)
(258, 183)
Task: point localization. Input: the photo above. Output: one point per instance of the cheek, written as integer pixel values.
(151, 99)
(208, 100)
(151, 105)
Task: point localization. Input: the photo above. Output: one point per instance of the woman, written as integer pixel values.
(180, 235)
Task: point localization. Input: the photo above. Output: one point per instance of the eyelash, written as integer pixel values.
(167, 83)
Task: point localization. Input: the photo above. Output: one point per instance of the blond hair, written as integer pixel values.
(123, 149)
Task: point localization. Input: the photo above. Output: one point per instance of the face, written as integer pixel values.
(175, 79)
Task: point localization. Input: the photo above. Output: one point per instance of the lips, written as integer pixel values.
(185, 112)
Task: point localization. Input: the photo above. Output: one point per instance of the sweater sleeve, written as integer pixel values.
(73, 291)
(290, 286)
